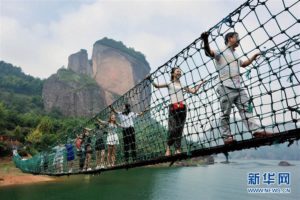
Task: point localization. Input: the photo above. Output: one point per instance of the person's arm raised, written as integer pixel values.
(208, 51)
(143, 112)
(113, 109)
(155, 84)
(195, 89)
(102, 122)
(249, 61)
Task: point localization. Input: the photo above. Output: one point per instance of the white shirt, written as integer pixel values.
(175, 92)
(228, 67)
(112, 136)
(127, 120)
(59, 151)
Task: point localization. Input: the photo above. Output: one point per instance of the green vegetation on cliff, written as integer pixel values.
(67, 75)
(22, 116)
(120, 46)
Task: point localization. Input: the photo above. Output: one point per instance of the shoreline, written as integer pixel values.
(14, 180)
(12, 176)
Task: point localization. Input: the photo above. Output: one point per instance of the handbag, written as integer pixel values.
(177, 106)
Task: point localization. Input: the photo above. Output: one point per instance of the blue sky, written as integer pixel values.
(39, 35)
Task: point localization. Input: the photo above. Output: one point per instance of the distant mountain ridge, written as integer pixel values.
(13, 79)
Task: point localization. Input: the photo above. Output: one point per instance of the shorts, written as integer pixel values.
(99, 145)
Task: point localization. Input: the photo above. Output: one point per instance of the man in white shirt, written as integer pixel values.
(127, 123)
(230, 92)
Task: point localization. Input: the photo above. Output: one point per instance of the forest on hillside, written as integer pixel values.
(22, 117)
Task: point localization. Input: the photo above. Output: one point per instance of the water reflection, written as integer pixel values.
(219, 181)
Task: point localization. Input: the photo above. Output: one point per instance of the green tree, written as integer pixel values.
(3, 117)
(44, 127)
(18, 133)
(34, 137)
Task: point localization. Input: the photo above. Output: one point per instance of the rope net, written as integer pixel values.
(177, 120)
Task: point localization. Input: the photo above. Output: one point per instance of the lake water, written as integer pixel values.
(218, 181)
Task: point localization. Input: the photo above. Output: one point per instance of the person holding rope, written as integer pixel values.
(100, 146)
(112, 138)
(230, 91)
(70, 154)
(87, 141)
(177, 108)
(127, 122)
(80, 151)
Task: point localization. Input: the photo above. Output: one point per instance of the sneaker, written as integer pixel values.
(229, 140)
(97, 167)
(261, 134)
(168, 153)
(89, 169)
(71, 170)
(177, 152)
(102, 167)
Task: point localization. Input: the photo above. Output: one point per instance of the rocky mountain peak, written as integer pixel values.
(79, 63)
(87, 87)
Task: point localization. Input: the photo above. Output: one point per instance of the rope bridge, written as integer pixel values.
(270, 85)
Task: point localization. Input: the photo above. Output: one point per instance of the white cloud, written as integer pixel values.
(159, 29)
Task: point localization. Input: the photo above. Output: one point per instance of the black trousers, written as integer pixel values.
(129, 143)
(81, 157)
(176, 124)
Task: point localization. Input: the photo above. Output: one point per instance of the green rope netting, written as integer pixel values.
(271, 83)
